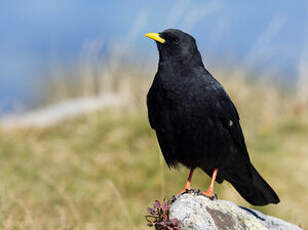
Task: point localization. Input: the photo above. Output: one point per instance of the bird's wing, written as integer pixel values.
(153, 107)
(160, 121)
(228, 115)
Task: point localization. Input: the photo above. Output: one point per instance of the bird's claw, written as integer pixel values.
(212, 196)
(186, 190)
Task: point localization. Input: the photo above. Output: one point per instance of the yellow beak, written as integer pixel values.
(155, 36)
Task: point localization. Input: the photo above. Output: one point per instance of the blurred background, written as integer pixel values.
(76, 148)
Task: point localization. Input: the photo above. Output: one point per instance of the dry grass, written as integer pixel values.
(102, 170)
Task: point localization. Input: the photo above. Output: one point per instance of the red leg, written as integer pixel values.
(187, 185)
(210, 191)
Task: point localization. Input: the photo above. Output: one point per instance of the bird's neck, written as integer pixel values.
(179, 63)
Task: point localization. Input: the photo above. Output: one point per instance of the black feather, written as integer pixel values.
(196, 122)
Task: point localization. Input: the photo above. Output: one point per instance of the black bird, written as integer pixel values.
(196, 122)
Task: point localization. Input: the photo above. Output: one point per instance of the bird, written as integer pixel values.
(196, 123)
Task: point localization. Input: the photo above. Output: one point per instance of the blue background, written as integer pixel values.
(266, 36)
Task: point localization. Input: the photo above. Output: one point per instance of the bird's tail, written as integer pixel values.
(255, 190)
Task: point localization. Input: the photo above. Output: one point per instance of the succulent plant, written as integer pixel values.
(158, 217)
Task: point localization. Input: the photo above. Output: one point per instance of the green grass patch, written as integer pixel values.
(102, 170)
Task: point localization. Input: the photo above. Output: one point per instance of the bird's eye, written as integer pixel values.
(176, 40)
(171, 38)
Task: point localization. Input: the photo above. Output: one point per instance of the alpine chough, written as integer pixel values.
(195, 121)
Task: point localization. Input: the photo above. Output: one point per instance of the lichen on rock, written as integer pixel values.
(195, 211)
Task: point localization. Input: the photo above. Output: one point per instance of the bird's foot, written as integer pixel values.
(210, 191)
(210, 194)
(182, 192)
(186, 189)
(212, 197)
(187, 186)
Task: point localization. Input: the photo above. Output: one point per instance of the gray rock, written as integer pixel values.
(197, 212)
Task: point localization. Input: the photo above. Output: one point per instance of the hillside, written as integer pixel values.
(103, 169)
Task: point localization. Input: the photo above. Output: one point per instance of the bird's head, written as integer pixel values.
(175, 44)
